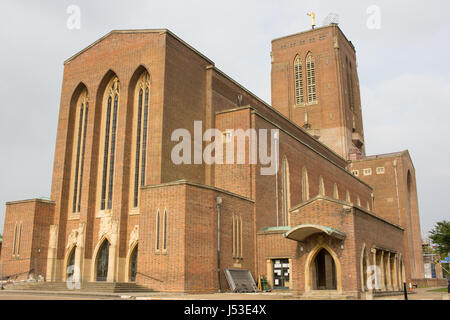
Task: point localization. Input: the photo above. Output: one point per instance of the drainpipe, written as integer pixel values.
(218, 204)
(396, 188)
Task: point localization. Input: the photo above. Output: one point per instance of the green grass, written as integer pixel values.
(439, 290)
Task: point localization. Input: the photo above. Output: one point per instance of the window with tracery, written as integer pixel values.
(298, 76)
(311, 79)
(140, 120)
(79, 146)
(108, 142)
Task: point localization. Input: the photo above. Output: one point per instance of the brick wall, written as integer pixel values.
(34, 216)
(190, 262)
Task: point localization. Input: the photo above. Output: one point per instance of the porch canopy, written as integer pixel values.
(303, 231)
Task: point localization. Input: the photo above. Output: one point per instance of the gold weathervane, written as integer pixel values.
(313, 19)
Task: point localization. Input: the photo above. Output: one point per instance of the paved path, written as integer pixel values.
(420, 294)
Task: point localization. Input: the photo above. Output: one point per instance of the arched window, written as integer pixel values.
(298, 76)
(321, 186)
(347, 196)
(336, 192)
(358, 201)
(311, 79)
(140, 121)
(79, 138)
(102, 261)
(305, 184)
(108, 141)
(285, 192)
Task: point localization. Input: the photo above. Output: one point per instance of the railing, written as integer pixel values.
(147, 276)
(10, 276)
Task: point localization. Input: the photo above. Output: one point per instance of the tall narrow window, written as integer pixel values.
(240, 238)
(351, 96)
(336, 191)
(109, 125)
(233, 241)
(165, 231)
(15, 240)
(237, 247)
(157, 231)
(321, 186)
(298, 76)
(347, 196)
(305, 184)
(86, 109)
(79, 139)
(285, 192)
(311, 79)
(19, 239)
(140, 121)
(112, 153)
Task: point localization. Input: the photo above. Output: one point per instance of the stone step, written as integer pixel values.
(110, 287)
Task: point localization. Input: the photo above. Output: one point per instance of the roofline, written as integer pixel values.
(30, 200)
(273, 109)
(127, 31)
(198, 185)
(331, 25)
(212, 66)
(387, 156)
(350, 205)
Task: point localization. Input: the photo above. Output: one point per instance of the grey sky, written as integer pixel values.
(403, 71)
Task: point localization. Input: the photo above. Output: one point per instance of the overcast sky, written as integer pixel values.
(404, 72)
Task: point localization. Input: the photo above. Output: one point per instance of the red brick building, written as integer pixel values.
(121, 210)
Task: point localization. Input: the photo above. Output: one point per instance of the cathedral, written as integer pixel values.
(329, 220)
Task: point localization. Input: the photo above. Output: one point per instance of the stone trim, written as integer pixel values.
(198, 185)
(31, 200)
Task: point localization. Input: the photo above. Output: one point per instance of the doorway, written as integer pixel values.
(323, 272)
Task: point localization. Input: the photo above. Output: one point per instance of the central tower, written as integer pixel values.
(315, 84)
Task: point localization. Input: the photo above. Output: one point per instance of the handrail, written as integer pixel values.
(15, 274)
(145, 275)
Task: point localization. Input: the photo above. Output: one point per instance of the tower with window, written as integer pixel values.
(315, 84)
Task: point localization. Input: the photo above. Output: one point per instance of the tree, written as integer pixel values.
(440, 236)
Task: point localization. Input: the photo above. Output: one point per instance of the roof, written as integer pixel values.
(332, 25)
(301, 232)
(346, 205)
(404, 153)
(160, 31)
(384, 155)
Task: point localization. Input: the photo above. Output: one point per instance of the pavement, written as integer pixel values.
(419, 294)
